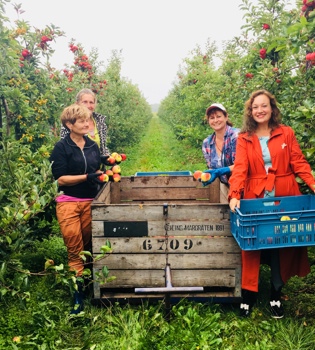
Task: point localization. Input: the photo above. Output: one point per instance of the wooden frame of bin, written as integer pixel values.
(194, 238)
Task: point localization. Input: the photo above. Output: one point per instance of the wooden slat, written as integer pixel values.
(177, 261)
(172, 228)
(134, 212)
(159, 194)
(173, 244)
(180, 278)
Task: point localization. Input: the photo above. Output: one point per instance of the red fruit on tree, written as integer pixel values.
(25, 53)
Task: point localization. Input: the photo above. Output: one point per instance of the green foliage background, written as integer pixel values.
(32, 96)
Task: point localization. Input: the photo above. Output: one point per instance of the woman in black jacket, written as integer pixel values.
(76, 162)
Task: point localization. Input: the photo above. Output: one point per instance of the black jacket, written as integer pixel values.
(68, 159)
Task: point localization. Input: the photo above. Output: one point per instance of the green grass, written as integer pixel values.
(159, 150)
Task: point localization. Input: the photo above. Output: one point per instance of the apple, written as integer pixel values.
(111, 160)
(114, 154)
(104, 177)
(116, 169)
(118, 158)
(109, 173)
(197, 174)
(116, 177)
(123, 156)
(204, 177)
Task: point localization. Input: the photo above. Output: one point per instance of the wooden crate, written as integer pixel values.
(158, 221)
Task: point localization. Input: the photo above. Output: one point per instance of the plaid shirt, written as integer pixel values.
(228, 151)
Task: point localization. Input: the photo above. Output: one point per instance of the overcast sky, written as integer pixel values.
(154, 35)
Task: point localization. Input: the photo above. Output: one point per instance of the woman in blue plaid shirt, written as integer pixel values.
(219, 147)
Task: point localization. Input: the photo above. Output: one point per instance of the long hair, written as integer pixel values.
(249, 124)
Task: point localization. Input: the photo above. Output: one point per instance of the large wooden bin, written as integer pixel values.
(158, 221)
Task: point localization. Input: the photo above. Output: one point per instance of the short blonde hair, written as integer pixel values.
(72, 113)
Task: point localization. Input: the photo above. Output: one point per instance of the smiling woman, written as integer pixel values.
(219, 147)
(76, 162)
(268, 160)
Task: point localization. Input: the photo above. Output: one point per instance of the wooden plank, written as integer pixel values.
(214, 191)
(115, 193)
(164, 194)
(180, 278)
(158, 181)
(173, 244)
(224, 192)
(103, 197)
(134, 212)
(177, 261)
(162, 228)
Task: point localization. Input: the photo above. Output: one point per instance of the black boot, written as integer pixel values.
(276, 307)
(249, 299)
(78, 299)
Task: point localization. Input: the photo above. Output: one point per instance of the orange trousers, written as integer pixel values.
(75, 221)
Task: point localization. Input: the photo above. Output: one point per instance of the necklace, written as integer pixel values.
(219, 149)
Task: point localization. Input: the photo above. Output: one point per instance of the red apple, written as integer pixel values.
(111, 160)
(116, 177)
(116, 169)
(109, 173)
(123, 156)
(197, 174)
(205, 177)
(104, 177)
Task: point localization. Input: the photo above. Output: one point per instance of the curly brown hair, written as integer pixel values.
(249, 124)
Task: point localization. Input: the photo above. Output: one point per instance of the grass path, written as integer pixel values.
(159, 150)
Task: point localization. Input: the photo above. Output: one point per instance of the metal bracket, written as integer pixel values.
(168, 286)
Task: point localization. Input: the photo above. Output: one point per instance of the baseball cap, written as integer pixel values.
(215, 105)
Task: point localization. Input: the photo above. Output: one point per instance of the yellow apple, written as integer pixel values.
(285, 218)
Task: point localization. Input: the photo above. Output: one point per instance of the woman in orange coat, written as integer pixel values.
(268, 159)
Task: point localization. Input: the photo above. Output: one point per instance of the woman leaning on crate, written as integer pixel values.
(268, 160)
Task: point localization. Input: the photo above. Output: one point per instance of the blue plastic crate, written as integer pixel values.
(164, 173)
(259, 223)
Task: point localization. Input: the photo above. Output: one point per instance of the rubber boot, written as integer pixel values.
(276, 307)
(249, 299)
(78, 299)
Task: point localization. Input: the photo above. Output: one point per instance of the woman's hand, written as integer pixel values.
(234, 203)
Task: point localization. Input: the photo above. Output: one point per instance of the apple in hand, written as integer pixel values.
(197, 174)
(109, 173)
(204, 177)
(116, 169)
(118, 158)
(116, 177)
(111, 160)
(104, 177)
